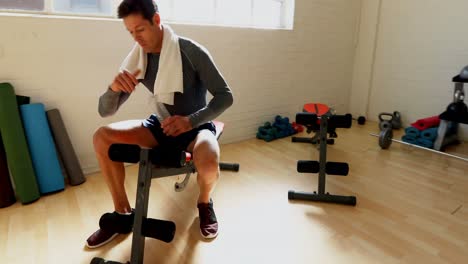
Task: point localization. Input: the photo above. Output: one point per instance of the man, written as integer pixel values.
(187, 125)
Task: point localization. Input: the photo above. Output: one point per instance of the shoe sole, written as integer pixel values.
(102, 243)
(208, 236)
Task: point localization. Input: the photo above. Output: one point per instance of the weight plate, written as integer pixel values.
(385, 138)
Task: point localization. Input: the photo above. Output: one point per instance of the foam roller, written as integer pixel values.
(7, 195)
(65, 148)
(337, 168)
(42, 148)
(306, 119)
(158, 229)
(341, 121)
(308, 166)
(16, 147)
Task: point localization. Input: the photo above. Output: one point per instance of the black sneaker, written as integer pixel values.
(208, 222)
(100, 238)
(111, 224)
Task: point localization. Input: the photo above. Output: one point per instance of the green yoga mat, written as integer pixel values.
(17, 152)
(7, 195)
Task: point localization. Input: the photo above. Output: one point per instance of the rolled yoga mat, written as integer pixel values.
(65, 148)
(430, 133)
(7, 195)
(412, 132)
(16, 147)
(426, 123)
(42, 148)
(409, 139)
(425, 143)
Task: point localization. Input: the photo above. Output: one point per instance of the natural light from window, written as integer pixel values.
(272, 14)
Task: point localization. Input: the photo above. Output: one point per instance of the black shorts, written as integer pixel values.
(179, 142)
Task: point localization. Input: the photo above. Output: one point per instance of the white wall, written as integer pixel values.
(420, 46)
(67, 63)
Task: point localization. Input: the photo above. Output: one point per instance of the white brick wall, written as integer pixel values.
(67, 64)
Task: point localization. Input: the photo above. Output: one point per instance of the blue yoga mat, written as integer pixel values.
(430, 133)
(425, 143)
(42, 148)
(409, 139)
(412, 131)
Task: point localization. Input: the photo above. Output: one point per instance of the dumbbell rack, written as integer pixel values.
(322, 166)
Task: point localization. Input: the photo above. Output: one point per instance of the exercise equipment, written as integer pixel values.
(154, 163)
(42, 148)
(456, 113)
(65, 148)
(317, 109)
(361, 120)
(321, 124)
(7, 194)
(389, 139)
(279, 129)
(16, 148)
(392, 121)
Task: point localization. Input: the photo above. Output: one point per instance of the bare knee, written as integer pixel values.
(207, 163)
(100, 140)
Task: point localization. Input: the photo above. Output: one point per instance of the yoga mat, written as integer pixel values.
(409, 139)
(426, 123)
(42, 148)
(65, 148)
(18, 158)
(21, 100)
(412, 131)
(430, 133)
(425, 143)
(7, 195)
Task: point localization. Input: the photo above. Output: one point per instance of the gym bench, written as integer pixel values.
(155, 163)
(322, 122)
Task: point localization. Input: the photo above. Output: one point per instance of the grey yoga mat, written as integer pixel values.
(65, 148)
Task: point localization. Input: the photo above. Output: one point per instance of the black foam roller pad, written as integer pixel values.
(337, 168)
(306, 119)
(341, 121)
(308, 166)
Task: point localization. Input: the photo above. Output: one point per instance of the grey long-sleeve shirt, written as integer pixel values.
(199, 75)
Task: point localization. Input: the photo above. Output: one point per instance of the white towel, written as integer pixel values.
(169, 79)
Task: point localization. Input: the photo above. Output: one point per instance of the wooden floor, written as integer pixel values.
(412, 207)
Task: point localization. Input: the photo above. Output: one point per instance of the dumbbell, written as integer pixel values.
(361, 120)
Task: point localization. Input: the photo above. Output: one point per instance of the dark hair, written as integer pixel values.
(146, 8)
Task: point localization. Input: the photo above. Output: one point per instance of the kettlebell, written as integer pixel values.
(385, 123)
(392, 121)
(396, 121)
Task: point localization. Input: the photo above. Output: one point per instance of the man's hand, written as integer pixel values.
(176, 125)
(125, 82)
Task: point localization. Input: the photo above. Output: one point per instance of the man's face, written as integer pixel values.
(146, 34)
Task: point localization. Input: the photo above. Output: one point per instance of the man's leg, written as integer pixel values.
(125, 132)
(205, 150)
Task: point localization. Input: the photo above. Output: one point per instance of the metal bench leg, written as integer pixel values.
(141, 207)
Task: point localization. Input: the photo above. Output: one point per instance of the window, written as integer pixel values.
(243, 13)
(103, 8)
